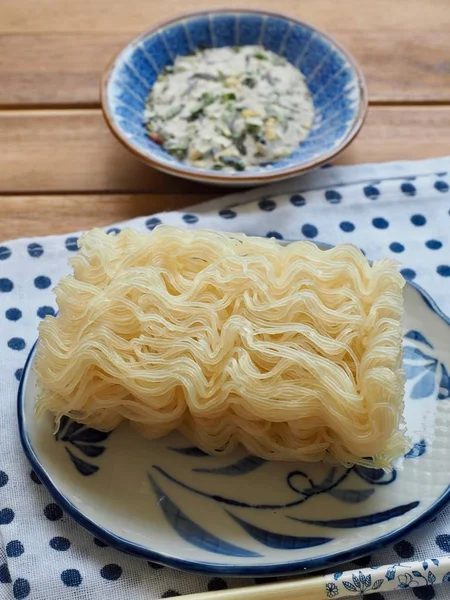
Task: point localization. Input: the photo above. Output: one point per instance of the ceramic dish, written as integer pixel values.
(333, 77)
(169, 502)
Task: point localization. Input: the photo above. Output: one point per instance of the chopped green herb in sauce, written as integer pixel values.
(229, 109)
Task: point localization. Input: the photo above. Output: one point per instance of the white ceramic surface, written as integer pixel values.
(172, 504)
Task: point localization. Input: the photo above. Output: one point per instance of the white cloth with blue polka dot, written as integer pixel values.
(399, 210)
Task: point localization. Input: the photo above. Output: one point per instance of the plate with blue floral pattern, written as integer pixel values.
(168, 502)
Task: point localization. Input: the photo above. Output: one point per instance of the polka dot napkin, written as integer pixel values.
(399, 210)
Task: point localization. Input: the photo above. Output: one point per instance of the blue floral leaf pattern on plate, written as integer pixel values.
(435, 561)
(431, 578)
(417, 450)
(446, 577)
(412, 370)
(417, 573)
(233, 502)
(63, 422)
(413, 353)
(364, 520)
(444, 385)
(83, 467)
(337, 575)
(90, 436)
(240, 467)
(328, 480)
(190, 451)
(190, 531)
(73, 428)
(425, 386)
(418, 337)
(425, 565)
(356, 581)
(367, 579)
(351, 496)
(89, 449)
(375, 476)
(370, 475)
(377, 584)
(279, 540)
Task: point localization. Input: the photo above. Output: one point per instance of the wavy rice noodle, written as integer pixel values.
(294, 352)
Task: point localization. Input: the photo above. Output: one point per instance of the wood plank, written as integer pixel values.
(65, 69)
(29, 216)
(402, 67)
(55, 68)
(73, 151)
(107, 16)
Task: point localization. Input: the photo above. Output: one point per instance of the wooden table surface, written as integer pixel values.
(60, 168)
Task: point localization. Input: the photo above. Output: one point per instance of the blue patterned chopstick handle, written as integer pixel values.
(387, 578)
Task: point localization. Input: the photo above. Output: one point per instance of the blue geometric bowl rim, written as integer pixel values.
(244, 177)
(230, 570)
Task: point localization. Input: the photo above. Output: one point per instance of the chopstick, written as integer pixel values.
(383, 579)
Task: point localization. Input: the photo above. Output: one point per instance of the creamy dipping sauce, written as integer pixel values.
(230, 108)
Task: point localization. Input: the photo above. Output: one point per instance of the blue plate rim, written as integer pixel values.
(236, 177)
(202, 567)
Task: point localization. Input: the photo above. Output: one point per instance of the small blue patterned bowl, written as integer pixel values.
(333, 77)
